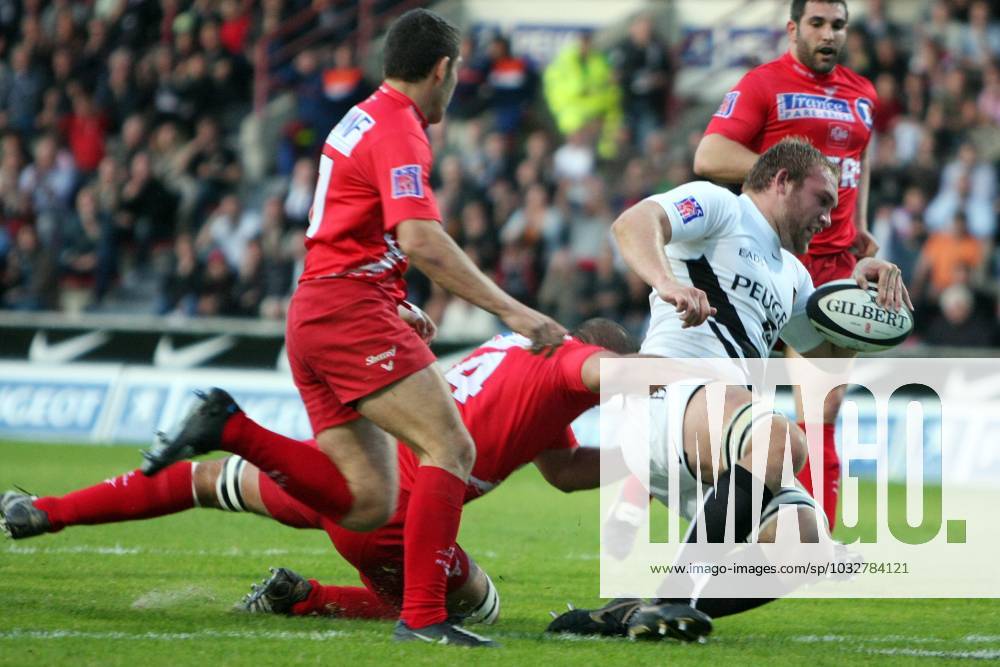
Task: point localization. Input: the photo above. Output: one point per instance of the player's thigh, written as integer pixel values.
(420, 411)
(703, 425)
(739, 430)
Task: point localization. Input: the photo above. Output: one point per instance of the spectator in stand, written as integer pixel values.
(21, 94)
(512, 83)
(235, 27)
(131, 140)
(147, 208)
(454, 192)
(49, 181)
(979, 39)
(303, 135)
(645, 69)
(907, 232)
(968, 184)
(299, 199)
(213, 167)
(230, 230)
(958, 324)
(117, 93)
(179, 285)
(215, 287)
(277, 259)
(580, 90)
(249, 286)
(989, 97)
(469, 99)
(89, 254)
(29, 278)
(15, 204)
(84, 131)
(945, 254)
(537, 224)
(344, 82)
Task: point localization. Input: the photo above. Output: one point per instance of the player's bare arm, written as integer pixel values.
(571, 470)
(864, 244)
(641, 232)
(436, 254)
(722, 160)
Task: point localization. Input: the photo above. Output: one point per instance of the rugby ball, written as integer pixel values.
(849, 317)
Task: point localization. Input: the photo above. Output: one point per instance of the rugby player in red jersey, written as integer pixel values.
(806, 93)
(518, 407)
(361, 370)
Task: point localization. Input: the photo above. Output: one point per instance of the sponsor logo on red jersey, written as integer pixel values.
(407, 182)
(792, 106)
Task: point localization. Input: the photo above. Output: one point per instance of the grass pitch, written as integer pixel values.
(159, 592)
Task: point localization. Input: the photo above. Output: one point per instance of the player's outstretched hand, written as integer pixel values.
(892, 293)
(418, 319)
(691, 303)
(545, 333)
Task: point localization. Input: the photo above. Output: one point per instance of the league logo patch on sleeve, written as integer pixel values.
(725, 109)
(866, 111)
(689, 209)
(407, 181)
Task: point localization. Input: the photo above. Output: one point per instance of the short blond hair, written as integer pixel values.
(796, 155)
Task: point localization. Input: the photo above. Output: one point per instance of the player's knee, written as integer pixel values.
(371, 509)
(204, 478)
(787, 442)
(454, 451)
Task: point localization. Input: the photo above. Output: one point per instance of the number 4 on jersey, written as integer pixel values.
(467, 377)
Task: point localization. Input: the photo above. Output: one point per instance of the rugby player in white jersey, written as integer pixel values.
(726, 283)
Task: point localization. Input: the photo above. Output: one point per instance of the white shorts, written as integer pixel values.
(666, 447)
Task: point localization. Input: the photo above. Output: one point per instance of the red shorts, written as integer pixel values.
(376, 555)
(345, 340)
(827, 268)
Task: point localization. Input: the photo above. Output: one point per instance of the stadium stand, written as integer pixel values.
(152, 160)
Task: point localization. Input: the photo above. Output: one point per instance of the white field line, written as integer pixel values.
(981, 654)
(863, 645)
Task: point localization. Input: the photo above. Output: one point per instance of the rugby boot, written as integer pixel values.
(19, 518)
(199, 432)
(442, 633)
(669, 620)
(277, 594)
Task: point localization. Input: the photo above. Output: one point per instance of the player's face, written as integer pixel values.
(444, 91)
(808, 208)
(819, 36)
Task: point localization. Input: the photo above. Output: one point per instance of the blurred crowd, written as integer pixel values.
(126, 185)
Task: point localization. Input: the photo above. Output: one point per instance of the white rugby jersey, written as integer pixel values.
(723, 245)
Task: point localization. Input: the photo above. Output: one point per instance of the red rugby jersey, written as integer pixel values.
(834, 111)
(373, 174)
(515, 404)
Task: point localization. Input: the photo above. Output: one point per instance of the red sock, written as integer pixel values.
(128, 497)
(634, 493)
(429, 549)
(831, 475)
(344, 602)
(306, 473)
